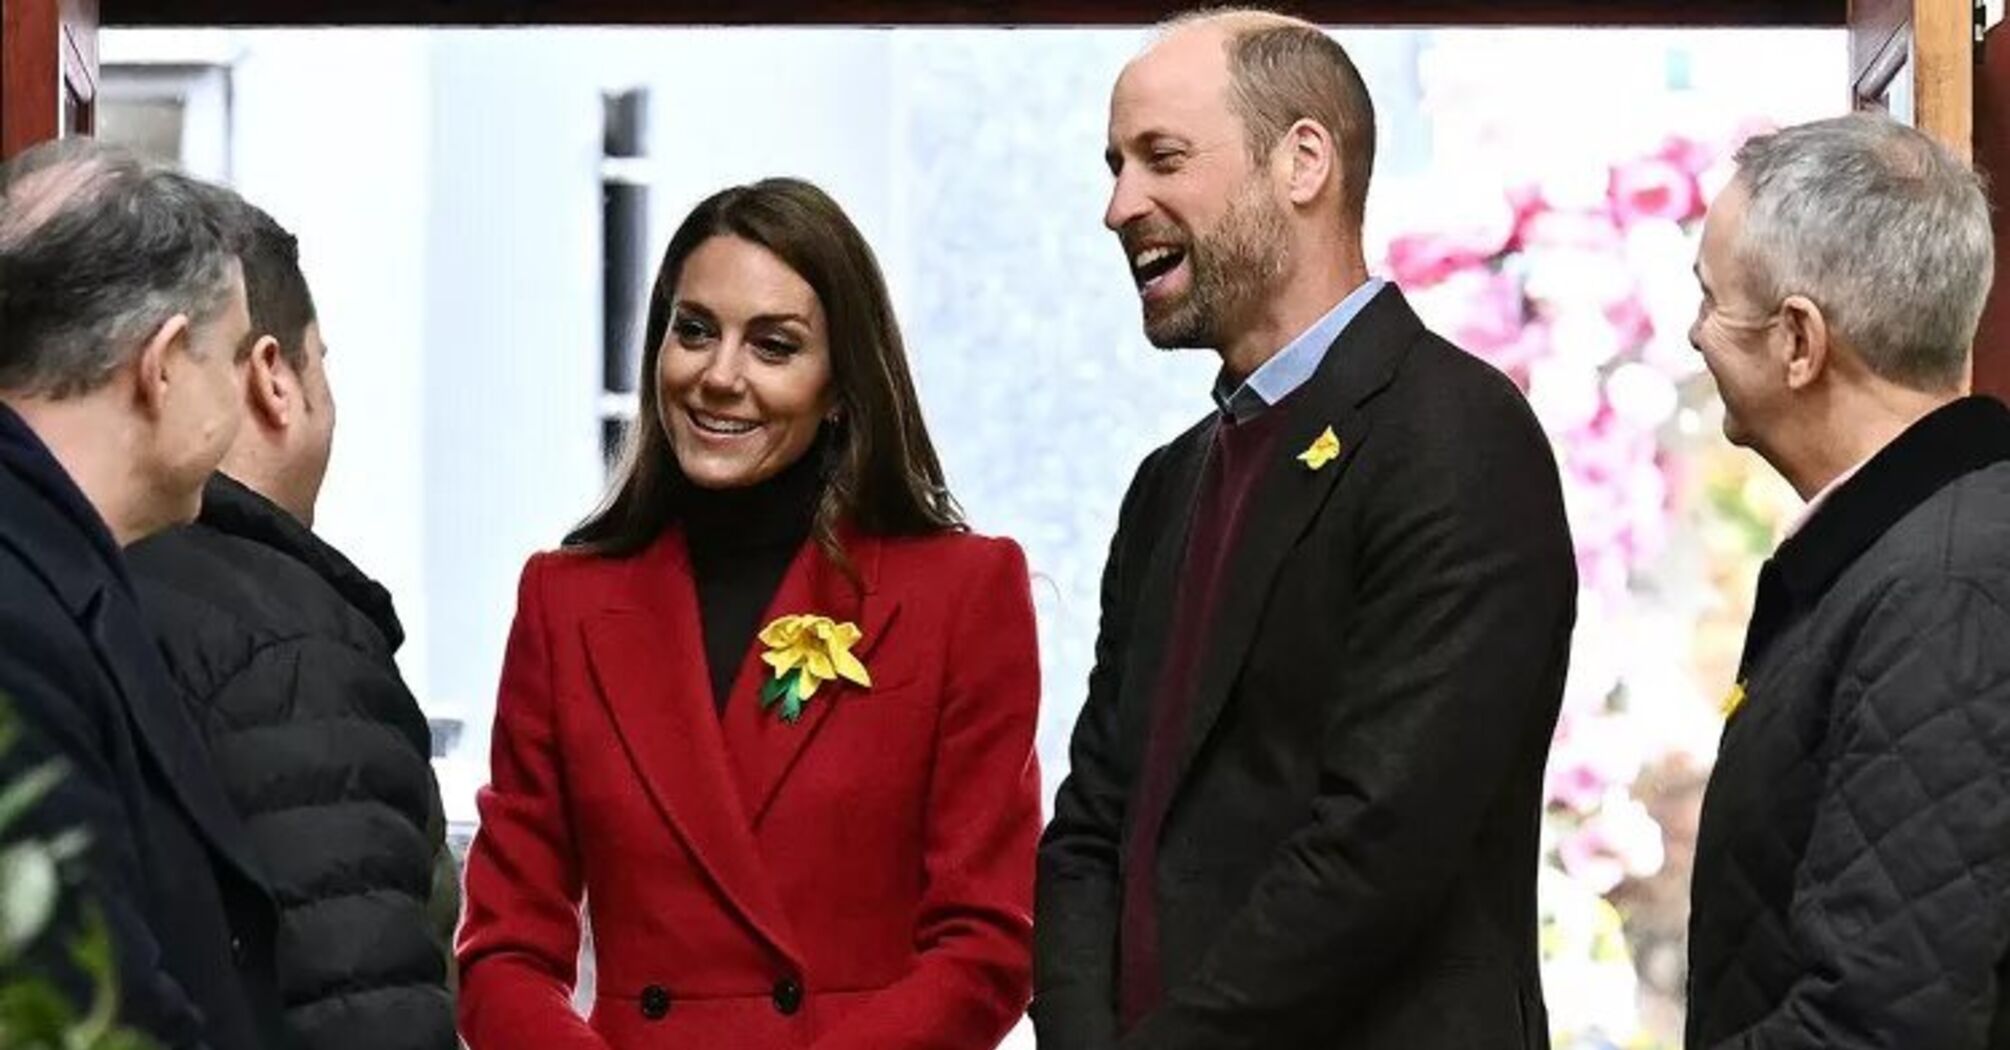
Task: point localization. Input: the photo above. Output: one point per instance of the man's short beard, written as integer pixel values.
(1233, 268)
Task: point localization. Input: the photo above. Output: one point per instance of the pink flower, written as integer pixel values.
(1518, 357)
(1616, 491)
(1589, 756)
(1469, 239)
(1419, 260)
(1630, 321)
(1602, 569)
(1588, 858)
(1490, 317)
(1577, 230)
(1526, 201)
(1654, 189)
(1619, 840)
(1575, 785)
(1687, 154)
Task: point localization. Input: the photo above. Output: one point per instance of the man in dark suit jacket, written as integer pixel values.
(123, 312)
(1305, 795)
(1852, 880)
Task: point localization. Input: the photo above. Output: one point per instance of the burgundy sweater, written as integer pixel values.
(1236, 461)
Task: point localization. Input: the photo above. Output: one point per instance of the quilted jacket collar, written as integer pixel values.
(233, 508)
(1957, 439)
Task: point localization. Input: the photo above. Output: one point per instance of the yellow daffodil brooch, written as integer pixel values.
(1733, 700)
(806, 652)
(1324, 449)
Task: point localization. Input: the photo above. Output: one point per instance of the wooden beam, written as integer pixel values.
(48, 70)
(1925, 48)
(956, 12)
(1943, 44)
(31, 73)
(1992, 155)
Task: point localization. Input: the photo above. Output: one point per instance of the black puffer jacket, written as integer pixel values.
(1852, 882)
(283, 652)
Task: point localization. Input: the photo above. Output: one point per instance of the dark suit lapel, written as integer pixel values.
(1158, 593)
(763, 747)
(648, 660)
(171, 741)
(1358, 365)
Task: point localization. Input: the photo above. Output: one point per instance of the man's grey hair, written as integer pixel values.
(1884, 229)
(98, 249)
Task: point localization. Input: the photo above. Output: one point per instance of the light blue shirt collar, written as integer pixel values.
(1289, 368)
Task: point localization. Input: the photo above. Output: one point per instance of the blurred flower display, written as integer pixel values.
(1573, 277)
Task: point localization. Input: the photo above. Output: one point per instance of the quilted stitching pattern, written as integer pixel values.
(1852, 883)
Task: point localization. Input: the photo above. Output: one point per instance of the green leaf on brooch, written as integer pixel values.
(787, 690)
(775, 688)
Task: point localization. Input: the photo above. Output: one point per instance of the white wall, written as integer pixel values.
(447, 204)
(512, 338)
(346, 172)
(512, 274)
(361, 224)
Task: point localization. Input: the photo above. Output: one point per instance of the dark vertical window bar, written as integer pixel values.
(624, 257)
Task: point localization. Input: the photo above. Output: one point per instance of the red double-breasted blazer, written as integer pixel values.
(860, 879)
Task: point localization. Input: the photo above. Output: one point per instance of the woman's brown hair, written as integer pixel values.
(881, 474)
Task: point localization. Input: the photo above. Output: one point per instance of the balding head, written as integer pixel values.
(98, 249)
(1280, 70)
(1228, 22)
(43, 182)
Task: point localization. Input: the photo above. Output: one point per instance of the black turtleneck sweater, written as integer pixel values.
(741, 542)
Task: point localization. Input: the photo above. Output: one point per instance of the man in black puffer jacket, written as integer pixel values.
(283, 653)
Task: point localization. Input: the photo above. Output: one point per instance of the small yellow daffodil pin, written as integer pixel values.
(805, 652)
(1733, 700)
(1324, 449)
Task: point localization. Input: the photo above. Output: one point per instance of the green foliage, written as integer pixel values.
(34, 1015)
(786, 690)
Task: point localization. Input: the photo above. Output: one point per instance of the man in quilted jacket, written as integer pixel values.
(1852, 880)
(282, 651)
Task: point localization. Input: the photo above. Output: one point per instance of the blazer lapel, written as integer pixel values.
(170, 739)
(1357, 366)
(1158, 593)
(649, 665)
(763, 747)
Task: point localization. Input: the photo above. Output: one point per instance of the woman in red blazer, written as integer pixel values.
(769, 713)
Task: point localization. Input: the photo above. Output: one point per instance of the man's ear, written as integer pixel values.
(1808, 344)
(272, 391)
(1309, 158)
(156, 363)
